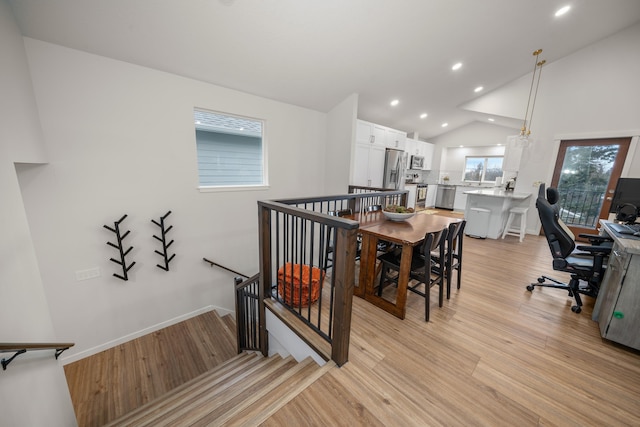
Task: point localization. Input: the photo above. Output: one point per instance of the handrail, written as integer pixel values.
(21, 348)
(225, 268)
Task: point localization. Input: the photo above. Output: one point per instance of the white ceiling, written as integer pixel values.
(316, 53)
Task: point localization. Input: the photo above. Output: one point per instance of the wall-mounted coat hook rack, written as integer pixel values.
(119, 245)
(163, 239)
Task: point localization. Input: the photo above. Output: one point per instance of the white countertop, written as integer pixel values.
(498, 192)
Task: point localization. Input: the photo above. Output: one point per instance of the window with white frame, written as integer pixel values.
(478, 169)
(230, 150)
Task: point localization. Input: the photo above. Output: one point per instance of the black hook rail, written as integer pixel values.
(120, 247)
(21, 348)
(165, 246)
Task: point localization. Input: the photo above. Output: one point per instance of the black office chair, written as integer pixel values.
(584, 263)
(424, 269)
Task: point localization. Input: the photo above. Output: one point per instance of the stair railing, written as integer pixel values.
(295, 238)
(21, 348)
(250, 326)
(250, 329)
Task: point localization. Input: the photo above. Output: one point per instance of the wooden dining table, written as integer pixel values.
(408, 234)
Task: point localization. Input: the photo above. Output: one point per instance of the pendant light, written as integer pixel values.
(525, 131)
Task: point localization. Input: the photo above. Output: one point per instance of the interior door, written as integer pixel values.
(585, 175)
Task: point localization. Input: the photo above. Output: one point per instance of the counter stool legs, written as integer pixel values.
(518, 232)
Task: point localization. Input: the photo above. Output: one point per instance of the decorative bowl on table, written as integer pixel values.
(398, 213)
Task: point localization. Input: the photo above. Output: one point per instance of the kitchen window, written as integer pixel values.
(479, 169)
(230, 150)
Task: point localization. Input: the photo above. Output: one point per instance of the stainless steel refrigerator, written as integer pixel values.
(395, 164)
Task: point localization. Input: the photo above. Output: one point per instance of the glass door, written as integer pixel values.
(585, 175)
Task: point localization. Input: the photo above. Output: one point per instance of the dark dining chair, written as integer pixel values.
(329, 252)
(383, 245)
(425, 270)
(453, 254)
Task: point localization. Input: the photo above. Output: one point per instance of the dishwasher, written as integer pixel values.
(445, 196)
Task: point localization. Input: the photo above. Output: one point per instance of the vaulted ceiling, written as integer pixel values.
(315, 53)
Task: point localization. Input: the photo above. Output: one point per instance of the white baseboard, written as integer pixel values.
(97, 349)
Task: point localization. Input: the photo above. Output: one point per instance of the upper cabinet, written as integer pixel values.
(395, 139)
(370, 133)
(372, 140)
(428, 156)
(415, 147)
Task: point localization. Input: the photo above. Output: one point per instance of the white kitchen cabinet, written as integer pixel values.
(370, 133)
(411, 197)
(460, 201)
(369, 165)
(395, 139)
(432, 190)
(410, 147)
(428, 149)
(371, 142)
(415, 147)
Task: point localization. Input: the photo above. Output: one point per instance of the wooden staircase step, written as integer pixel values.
(231, 367)
(210, 409)
(226, 332)
(219, 395)
(230, 321)
(256, 413)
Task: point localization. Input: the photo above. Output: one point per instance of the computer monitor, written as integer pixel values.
(627, 191)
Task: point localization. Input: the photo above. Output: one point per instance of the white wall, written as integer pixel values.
(121, 141)
(593, 93)
(477, 138)
(455, 160)
(33, 389)
(338, 156)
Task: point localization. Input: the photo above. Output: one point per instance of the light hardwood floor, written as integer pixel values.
(494, 355)
(116, 381)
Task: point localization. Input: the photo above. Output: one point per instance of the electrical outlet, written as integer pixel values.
(87, 274)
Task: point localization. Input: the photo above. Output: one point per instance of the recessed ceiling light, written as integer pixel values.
(562, 10)
(478, 89)
(491, 119)
(456, 66)
(395, 102)
(444, 125)
(462, 146)
(499, 145)
(423, 115)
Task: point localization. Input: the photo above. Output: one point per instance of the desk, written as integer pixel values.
(408, 234)
(617, 307)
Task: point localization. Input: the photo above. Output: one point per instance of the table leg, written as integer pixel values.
(403, 278)
(368, 280)
(367, 266)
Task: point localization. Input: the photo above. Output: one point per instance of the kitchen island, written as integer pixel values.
(495, 202)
